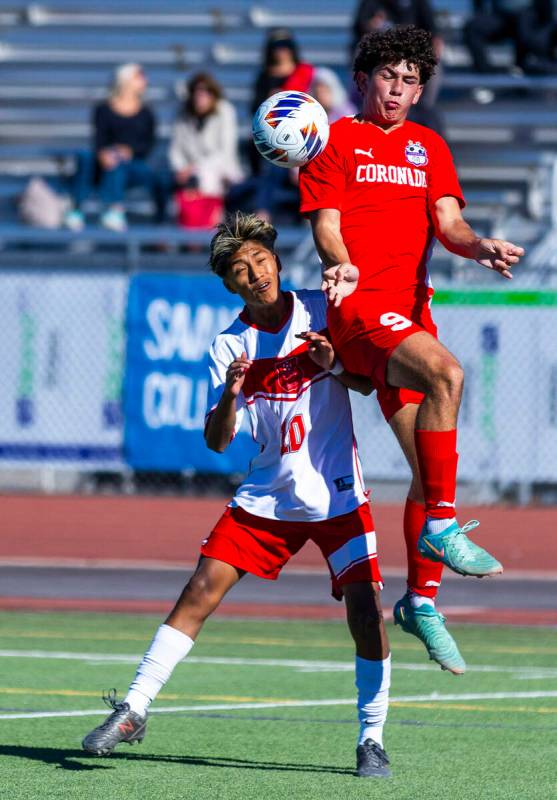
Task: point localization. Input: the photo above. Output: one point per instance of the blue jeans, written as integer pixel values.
(112, 183)
(266, 191)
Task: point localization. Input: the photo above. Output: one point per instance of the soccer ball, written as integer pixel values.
(290, 128)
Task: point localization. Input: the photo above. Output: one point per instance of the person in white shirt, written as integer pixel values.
(203, 150)
(275, 364)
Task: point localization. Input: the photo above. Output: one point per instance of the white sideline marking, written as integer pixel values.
(413, 698)
(302, 665)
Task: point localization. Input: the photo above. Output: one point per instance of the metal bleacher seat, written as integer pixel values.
(135, 14)
(139, 239)
(56, 59)
(309, 15)
(98, 54)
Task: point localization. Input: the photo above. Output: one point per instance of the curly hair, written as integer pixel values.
(231, 235)
(408, 43)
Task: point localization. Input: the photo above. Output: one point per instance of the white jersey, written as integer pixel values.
(308, 467)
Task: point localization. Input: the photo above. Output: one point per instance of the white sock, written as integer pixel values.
(373, 679)
(168, 648)
(435, 525)
(417, 600)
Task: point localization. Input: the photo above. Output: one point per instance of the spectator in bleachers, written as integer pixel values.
(495, 21)
(124, 135)
(282, 70)
(328, 90)
(373, 15)
(203, 153)
(537, 32)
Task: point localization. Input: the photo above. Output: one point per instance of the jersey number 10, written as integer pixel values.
(293, 434)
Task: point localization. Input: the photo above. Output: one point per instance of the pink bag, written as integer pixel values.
(196, 210)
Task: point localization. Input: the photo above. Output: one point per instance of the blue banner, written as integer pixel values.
(171, 323)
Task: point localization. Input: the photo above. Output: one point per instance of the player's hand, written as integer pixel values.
(339, 282)
(320, 349)
(236, 374)
(498, 255)
(125, 152)
(108, 158)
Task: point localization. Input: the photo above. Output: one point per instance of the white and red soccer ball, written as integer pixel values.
(290, 129)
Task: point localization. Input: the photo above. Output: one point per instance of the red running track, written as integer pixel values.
(144, 531)
(96, 529)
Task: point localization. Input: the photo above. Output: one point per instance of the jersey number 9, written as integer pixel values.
(394, 321)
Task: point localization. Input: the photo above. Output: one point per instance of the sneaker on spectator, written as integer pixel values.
(115, 220)
(483, 96)
(74, 220)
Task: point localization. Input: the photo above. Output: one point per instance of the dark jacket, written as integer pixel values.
(137, 131)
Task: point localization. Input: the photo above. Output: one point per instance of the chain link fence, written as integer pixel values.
(104, 378)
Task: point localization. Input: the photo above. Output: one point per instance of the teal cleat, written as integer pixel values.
(454, 549)
(429, 626)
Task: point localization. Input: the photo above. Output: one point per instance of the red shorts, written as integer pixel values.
(263, 546)
(365, 330)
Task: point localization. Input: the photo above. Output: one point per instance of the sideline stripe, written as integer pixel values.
(485, 709)
(434, 697)
(228, 698)
(527, 671)
(210, 638)
(239, 699)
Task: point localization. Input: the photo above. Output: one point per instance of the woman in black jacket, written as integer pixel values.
(124, 135)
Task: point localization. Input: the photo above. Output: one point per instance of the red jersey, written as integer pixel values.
(384, 185)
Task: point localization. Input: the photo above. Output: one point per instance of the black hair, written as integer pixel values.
(231, 234)
(209, 82)
(280, 38)
(408, 43)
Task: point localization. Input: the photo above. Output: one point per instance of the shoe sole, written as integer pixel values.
(444, 667)
(386, 774)
(492, 574)
(107, 752)
(452, 670)
(431, 557)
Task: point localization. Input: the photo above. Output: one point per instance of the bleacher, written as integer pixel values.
(56, 58)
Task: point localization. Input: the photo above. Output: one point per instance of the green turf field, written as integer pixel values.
(266, 710)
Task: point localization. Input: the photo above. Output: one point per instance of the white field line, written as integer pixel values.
(301, 665)
(413, 698)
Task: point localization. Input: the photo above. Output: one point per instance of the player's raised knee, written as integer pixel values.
(445, 375)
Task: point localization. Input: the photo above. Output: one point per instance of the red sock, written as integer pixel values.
(437, 457)
(424, 576)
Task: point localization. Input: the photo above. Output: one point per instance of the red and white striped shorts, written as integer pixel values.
(263, 546)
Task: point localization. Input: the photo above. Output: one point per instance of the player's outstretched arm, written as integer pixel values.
(325, 226)
(219, 430)
(321, 351)
(340, 277)
(457, 236)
